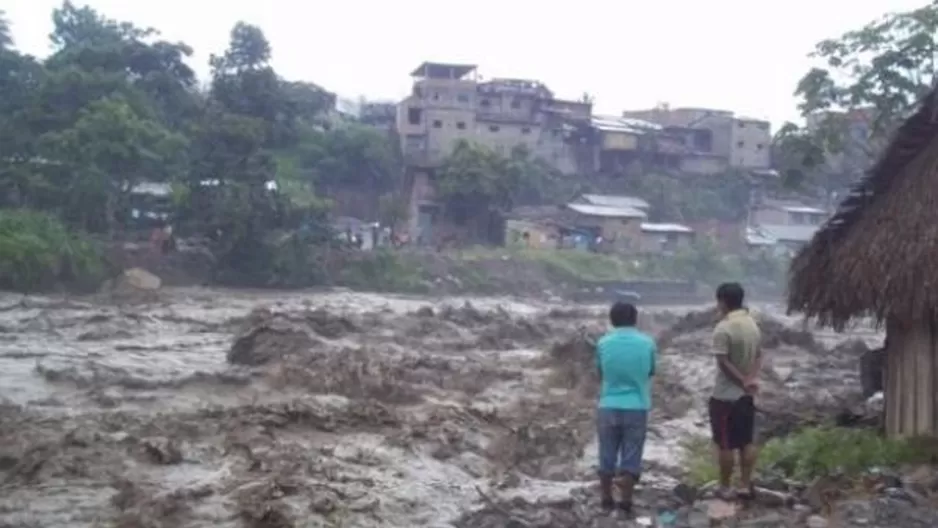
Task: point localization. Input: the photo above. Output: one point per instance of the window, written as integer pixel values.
(740, 144)
(494, 128)
(414, 116)
(760, 146)
(437, 124)
(436, 96)
(516, 103)
(460, 125)
(741, 124)
(525, 130)
(485, 103)
(463, 98)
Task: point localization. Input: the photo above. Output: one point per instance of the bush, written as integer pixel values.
(815, 452)
(380, 270)
(37, 252)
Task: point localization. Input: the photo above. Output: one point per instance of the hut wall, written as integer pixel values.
(911, 372)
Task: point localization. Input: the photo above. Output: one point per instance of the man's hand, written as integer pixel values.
(751, 385)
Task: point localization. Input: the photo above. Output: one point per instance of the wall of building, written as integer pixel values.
(703, 164)
(655, 242)
(623, 234)
(751, 142)
(770, 216)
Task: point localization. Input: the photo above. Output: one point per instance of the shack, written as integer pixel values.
(876, 257)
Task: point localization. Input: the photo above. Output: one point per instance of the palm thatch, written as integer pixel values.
(878, 255)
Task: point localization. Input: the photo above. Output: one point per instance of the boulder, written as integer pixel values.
(138, 279)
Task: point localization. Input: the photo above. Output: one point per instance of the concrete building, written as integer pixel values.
(449, 103)
(784, 224)
(715, 135)
(665, 238)
(624, 143)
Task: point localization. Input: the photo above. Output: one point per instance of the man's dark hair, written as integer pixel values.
(623, 314)
(731, 294)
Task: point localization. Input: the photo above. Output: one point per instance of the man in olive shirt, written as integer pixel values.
(736, 346)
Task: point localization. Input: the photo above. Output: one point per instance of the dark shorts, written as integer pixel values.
(621, 441)
(733, 423)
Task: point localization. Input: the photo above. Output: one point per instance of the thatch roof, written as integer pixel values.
(878, 255)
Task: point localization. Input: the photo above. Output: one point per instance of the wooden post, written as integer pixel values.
(911, 365)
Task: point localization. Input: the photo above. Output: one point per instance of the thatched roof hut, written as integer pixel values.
(878, 255)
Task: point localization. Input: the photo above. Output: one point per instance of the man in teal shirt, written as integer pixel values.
(626, 360)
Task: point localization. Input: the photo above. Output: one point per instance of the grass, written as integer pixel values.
(37, 252)
(382, 270)
(565, 264)
(815, 452)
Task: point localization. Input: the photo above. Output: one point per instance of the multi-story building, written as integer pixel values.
(716, 134)
(449, 103)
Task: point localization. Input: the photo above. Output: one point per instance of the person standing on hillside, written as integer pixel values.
(626, 360)
(732, 409)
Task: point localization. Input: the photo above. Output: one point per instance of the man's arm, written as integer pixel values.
(599, 362)
(654, 358)
(721, 349)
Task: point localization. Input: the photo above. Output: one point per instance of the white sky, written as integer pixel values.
(741, 55)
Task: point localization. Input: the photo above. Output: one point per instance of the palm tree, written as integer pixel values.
(6, 36)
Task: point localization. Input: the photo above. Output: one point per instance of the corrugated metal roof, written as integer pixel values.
(804, 209)
(606, 211)
(789, 233)
(665, 228)
(623, 124)
(609, 200)
(755, 237)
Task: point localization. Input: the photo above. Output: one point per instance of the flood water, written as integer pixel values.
(350, 409)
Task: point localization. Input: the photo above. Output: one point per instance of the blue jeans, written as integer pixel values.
(621, 441)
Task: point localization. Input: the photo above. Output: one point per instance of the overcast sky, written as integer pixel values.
(741, 55)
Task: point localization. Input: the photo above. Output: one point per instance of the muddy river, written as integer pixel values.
(332, 409)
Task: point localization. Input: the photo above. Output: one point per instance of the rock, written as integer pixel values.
(773, 499)
(687, 494)
(923, 480)
(138, 279)
(816, 521)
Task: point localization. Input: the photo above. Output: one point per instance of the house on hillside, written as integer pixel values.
(619, 226)
(665, 238)
(876, 256)
(786, 226)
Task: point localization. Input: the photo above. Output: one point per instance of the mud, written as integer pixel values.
(218, 408)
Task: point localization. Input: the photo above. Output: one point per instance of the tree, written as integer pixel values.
(868, 82)
(108, 150)
(6, 34)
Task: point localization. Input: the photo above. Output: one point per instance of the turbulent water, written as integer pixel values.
(333, 409)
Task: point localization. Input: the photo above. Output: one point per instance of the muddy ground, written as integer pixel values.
(217, 408)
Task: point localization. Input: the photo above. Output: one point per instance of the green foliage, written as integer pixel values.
(877, 73)
(815, 452)
(6, 36)
(37, 252)
(382, 270)
(475, 182)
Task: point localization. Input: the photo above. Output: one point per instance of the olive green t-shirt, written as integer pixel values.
(738, 337)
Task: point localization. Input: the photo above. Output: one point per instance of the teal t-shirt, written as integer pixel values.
(626, 359)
